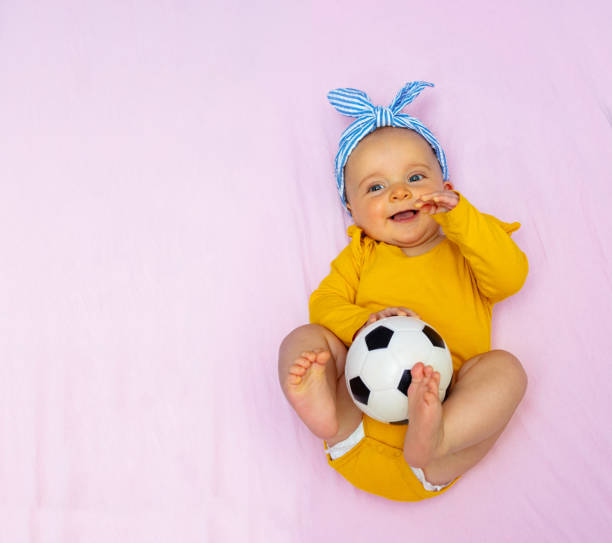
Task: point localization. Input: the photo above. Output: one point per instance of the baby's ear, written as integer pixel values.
(448, 185)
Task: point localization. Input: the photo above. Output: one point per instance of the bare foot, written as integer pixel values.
(310, 394)
(425, 429)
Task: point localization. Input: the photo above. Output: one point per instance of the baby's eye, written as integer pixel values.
(375, 187)
(410, 179)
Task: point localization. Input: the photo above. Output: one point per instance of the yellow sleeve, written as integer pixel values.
(499, 266)
(333, 303)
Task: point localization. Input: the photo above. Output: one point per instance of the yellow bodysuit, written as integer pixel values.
(452, 287)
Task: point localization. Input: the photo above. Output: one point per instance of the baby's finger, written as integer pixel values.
(447, 199)
(429, 197)
(405, 312)
(423, 206)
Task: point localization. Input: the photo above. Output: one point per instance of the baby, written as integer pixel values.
(417, 248)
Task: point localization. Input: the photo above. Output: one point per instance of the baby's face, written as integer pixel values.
(384, 176)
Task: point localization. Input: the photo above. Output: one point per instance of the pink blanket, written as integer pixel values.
(167, 204)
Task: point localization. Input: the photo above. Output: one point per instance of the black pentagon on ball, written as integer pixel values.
(360, 391)
(405, 382)
(433, 336)
(378, 338)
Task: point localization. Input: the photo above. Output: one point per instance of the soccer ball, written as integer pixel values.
(378, 365)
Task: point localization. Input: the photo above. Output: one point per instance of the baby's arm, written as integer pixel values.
(332, 304)
(498, 265)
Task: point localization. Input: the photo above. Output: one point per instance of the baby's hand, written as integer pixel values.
(388, 312)
(437, 202)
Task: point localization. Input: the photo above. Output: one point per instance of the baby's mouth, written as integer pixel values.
(405, 215)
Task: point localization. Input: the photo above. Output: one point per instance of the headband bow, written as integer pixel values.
(356, 103)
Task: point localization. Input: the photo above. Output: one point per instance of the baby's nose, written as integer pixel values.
(400, 192)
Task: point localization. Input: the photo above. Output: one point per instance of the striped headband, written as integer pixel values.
(356, 103)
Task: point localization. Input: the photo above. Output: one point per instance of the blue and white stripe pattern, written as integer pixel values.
(356, 103)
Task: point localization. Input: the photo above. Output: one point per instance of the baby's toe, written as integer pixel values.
(430, 397)
(297, 370)
(294, 379)
(417, 371)
(434, 385)
(322, 356)
(303, 362)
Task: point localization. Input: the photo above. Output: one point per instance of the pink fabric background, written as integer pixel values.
(167, 205)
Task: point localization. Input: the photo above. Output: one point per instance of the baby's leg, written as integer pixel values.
(446, 441)
(311, 372)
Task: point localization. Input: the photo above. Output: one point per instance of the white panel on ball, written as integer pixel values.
(413, 345)
(356, 363)
(443, 362)
(381, 370)
(405, 323)
(389, 405)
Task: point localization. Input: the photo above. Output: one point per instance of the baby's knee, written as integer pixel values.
(304, 332)
(310, 336)
(512, 366)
